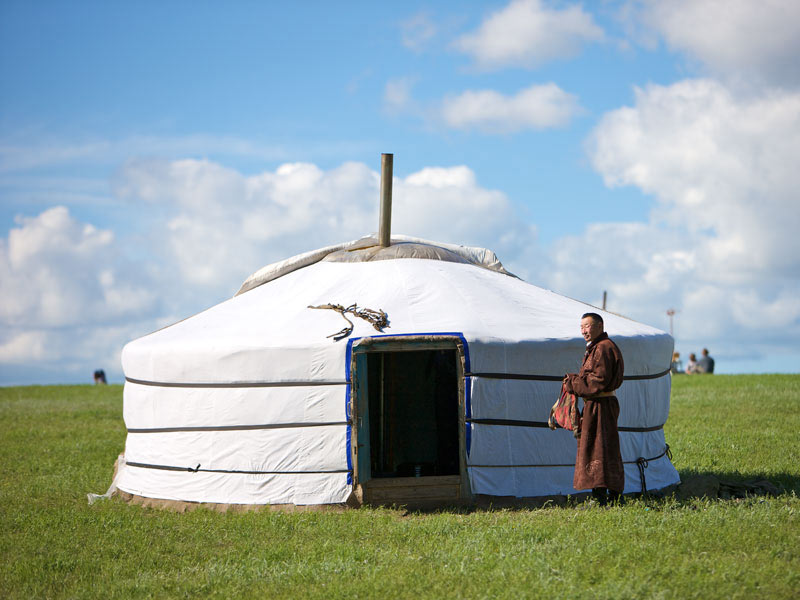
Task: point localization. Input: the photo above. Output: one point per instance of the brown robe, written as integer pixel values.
(599, 462)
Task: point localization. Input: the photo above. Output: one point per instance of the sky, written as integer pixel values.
(155, 154)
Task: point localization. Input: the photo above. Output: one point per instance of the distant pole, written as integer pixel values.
(385, 224)
(604, 299)
(671, 313)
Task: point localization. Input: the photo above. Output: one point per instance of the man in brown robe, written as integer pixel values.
(598, 464)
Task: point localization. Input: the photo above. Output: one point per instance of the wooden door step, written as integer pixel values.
(413, 491)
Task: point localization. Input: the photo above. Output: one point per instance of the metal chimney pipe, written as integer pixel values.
(385, 224)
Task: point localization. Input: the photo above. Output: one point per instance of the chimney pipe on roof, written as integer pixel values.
(385, 224)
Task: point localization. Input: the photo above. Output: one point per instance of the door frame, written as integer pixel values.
(403, 343)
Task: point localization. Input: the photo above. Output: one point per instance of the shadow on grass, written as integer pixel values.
(728, 485)
(695, 485)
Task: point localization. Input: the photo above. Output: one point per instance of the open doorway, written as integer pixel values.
(409, 408)
(413, 407)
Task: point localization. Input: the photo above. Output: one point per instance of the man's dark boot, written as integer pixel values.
(599, 494)
(615, 498)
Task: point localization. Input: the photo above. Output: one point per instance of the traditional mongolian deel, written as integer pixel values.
(250, 401)
(598, 462)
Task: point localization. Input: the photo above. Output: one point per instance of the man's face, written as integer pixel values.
(590, 330)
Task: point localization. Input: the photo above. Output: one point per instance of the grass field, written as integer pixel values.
(58, 443)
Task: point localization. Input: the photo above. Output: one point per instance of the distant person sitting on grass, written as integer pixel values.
(677, 364)
(691, 366)
(706, 363)
(100, 376)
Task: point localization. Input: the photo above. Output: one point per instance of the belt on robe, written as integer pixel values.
(600, 395)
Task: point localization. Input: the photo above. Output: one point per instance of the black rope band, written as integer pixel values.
(627, 462)
(235, 427)
(265, 384)
(521, 376)
(253, 384)
(507, 422)
(197, 469)
(543, 424)
(525, 377)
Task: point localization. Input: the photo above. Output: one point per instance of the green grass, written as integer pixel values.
(58, 443)
(737, 427)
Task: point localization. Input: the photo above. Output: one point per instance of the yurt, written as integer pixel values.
(383, 370)
(381, 374)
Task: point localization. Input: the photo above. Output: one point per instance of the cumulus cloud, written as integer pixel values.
(536, 107)
(222, 225)
(527, 33)
(56, 271)
(64, 291)
(225, 225)
(721, 245)
(716, 163)
(739, 40)
(448, 204)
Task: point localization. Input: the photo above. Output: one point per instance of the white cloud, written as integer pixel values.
(448, 204)
(442, 178)
(224, 225)
(526, 33)
(66, 295)
(25, 346)
(57, 272)
(716, 163)
(536, 107)
(397, 95)
(741, 40)
(722, 244)
(752, 311)
(417, 31)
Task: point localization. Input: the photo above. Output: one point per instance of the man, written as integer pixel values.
(706, 363)
(598, 464)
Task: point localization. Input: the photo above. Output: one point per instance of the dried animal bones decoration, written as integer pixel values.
(377, 318)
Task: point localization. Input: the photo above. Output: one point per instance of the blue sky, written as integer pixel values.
(152, 155)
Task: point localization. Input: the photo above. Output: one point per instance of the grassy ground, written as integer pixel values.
(737, 427)
(60, 442)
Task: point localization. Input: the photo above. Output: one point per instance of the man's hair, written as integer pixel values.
(594, 317)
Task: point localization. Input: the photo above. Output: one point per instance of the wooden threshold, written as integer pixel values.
(413, 491)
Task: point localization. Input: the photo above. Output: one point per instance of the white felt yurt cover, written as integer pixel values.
(248, 402)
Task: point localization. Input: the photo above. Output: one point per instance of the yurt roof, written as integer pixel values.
(268, 332)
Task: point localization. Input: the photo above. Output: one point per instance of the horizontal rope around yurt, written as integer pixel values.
(543, 424)
(531, 377)
(255, 427)
(198, 469)
(639, 460)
